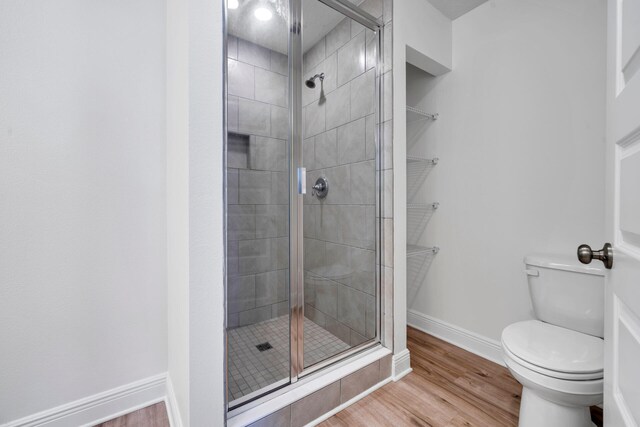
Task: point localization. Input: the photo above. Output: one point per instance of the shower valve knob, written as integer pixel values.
(321, 188)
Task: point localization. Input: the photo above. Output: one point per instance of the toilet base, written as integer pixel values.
(536, 411)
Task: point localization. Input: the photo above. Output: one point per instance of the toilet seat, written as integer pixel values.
(554, 351)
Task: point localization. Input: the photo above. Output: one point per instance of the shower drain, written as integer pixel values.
(264, 346)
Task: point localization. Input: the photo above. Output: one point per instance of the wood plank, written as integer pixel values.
(151, 416)
(449, 387)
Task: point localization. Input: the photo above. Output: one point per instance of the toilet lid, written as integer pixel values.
(554, 348)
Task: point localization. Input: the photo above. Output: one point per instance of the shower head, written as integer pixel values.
(311, 83)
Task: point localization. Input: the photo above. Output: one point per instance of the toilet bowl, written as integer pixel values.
(559, 358)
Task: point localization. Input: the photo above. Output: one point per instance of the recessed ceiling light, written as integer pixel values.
(262, 14)
(232, 4)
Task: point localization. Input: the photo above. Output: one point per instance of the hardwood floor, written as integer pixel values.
(151, 416)
(448, 387)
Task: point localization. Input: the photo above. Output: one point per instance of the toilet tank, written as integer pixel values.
(566, 293)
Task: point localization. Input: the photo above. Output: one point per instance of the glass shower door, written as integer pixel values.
(302, 278)
(340, 58)
(257, 202)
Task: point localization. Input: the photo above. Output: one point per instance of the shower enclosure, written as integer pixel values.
(302, 189)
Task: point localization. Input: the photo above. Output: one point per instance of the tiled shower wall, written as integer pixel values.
(257, 184)
(340, 144)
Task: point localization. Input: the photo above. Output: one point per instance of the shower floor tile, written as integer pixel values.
(251, 369)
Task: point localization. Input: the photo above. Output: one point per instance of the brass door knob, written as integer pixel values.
(586, 254)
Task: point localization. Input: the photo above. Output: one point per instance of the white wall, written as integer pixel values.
(82, 183)
(206, 214)
(521, 145)
(177, 107)
(418, 24)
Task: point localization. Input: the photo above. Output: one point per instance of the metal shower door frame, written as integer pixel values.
(298, 178)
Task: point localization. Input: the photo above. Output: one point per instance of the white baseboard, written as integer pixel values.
(470, 341)
(100, 407)
(173, 411)
(401, 365)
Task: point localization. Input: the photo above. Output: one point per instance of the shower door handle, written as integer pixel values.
(302, 181)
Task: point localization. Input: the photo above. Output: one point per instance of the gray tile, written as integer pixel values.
(316, 316)
(240, 79)
(356, 28)
(330, 69)
(314, 254)
(338, 263)
(371, 45)
(363, 266)
(308, 153)
(351, 59)
(254, 256)
(361, 380)
(370, 136)
(280, 252)
(254, 54)
(327, 297)
(363, 95)
(270, 287)
(254, 187)
(267, 154)
(314, 122)
(271, 221)
(241, 293)
(338, 106)
(363, 183)
(270, 87)
(339, 185)
(316, 404)
(279, 63)
(280, 418)
(279, 122)
(310, 289)
(338, 329)
(351, 142)
(370, 316)
(280, 309)
(254, 118)
(338, 36)
(279, 188)
(351, 308)
(385, 367)
(356, 339)
(237, 151)
(328, 222)
(232, 258)
(310, 216)
(387, 242)
(232, 47)
(232, 113)
(314, 56)
(254, 316)
(326, 149)
(241, 222)
(387, 49)
(232, 186)
(357, 225)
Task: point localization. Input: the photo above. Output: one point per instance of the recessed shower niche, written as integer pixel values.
(302, 190)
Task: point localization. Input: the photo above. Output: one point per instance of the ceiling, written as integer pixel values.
(317, 20)
(453, 9)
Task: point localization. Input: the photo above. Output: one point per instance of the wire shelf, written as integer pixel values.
(414, 114)
(417, 171)
(418, 216)
(418, 265)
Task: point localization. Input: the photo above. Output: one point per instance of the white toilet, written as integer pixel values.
(559, 358)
